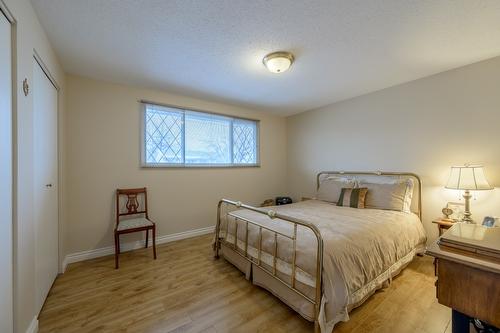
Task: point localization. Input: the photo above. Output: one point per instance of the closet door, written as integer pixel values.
(45, 183)
(6, 316)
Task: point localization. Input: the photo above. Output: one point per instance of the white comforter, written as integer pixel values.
(362, 247)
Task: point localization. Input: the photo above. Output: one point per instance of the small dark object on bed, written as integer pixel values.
(283, 201)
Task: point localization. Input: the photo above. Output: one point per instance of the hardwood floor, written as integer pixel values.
(186, 290)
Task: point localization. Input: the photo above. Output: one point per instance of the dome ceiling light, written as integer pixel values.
(278, 62)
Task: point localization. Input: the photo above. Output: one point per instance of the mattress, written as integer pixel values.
(362, 249)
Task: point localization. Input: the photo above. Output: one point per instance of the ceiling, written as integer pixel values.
(213, 49)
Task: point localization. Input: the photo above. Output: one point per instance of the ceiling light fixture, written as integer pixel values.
(278, 62)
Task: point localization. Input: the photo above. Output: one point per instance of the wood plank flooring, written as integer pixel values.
(186, 290)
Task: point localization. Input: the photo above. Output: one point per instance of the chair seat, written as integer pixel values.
(133, 223)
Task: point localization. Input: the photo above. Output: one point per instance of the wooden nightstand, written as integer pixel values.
(443, 225)
(468, 276)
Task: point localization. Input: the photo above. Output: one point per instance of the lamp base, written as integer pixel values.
(467, 213)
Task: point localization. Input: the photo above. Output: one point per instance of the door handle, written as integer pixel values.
(48, 185)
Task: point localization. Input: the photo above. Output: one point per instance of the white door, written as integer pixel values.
(45, 183)
(6, 316)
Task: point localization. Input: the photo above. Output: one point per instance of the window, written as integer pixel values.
(183, 138)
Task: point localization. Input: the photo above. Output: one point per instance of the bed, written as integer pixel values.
(322, 260)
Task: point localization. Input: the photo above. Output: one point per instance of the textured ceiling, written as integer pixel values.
(214, 49)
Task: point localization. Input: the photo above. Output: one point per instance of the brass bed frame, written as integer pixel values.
(296, 222)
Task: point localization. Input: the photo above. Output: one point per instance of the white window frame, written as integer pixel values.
(144, 164)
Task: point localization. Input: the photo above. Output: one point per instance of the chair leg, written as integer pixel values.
(118, 242)
(117, 249)
(154, 241)
(147, 235)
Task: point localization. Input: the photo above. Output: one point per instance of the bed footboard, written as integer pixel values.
(271, 214)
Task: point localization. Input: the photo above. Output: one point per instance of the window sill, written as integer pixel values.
(199, 166)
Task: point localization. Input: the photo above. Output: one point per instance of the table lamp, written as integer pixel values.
(468, 178)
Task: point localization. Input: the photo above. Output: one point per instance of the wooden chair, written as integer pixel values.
(135, 224)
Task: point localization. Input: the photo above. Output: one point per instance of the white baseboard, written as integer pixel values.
(106, 251)
(33, 328)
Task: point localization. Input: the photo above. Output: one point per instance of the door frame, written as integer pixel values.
(4, 11)
(46, 71)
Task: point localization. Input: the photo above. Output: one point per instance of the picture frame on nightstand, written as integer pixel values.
(490, 221)
(458, 209)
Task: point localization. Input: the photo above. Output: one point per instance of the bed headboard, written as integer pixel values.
(416, 204)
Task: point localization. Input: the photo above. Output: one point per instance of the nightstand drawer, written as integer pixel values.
(471, 291)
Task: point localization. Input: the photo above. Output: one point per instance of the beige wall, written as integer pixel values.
(103, 136)
(29, 35)
(424, 126)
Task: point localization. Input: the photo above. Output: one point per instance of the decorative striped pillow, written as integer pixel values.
(352, 197)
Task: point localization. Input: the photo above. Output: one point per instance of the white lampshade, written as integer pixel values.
(278, 62)
(468, 177)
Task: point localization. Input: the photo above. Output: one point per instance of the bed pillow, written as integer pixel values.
(353, 197)
(391, 196)
(330, 188)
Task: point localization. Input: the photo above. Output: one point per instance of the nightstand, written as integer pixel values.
(443, 225)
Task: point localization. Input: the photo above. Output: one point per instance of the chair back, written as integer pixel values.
(136, 202)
